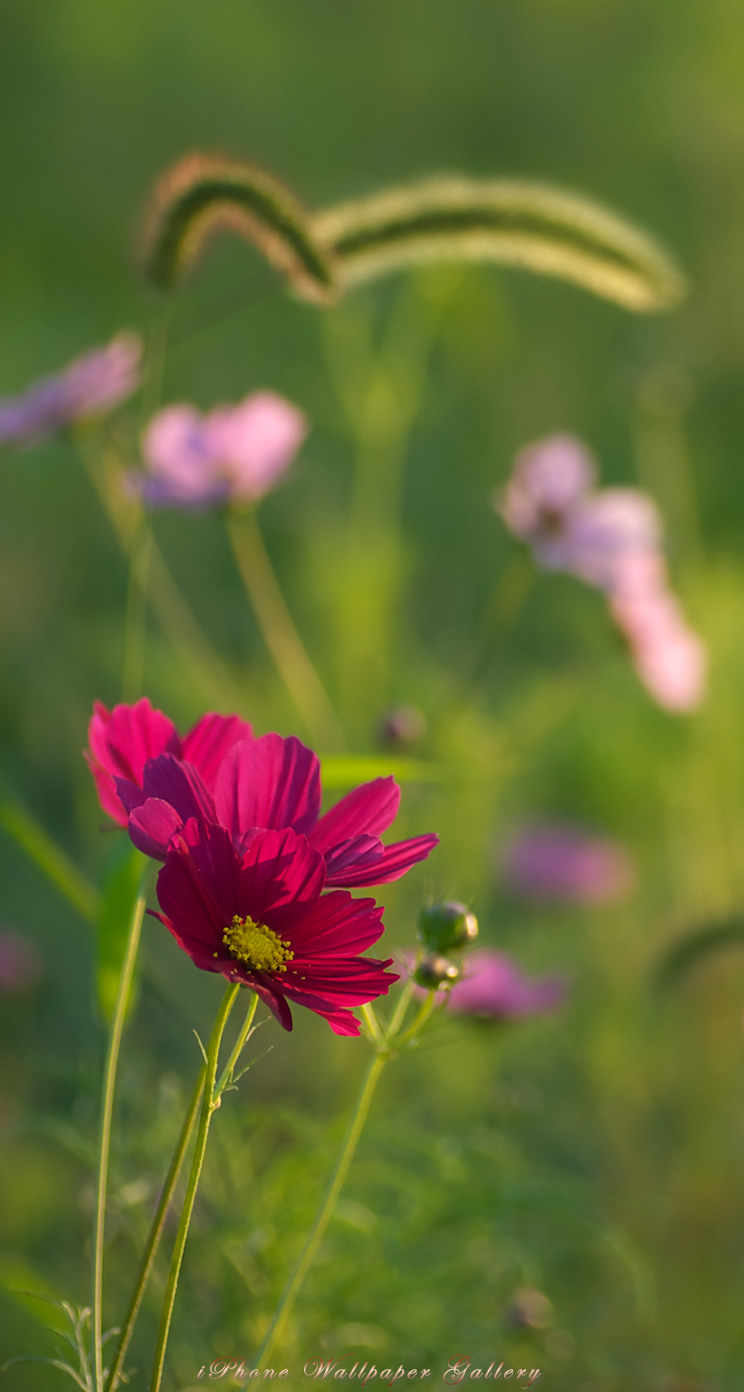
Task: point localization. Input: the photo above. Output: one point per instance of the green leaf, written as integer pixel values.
(46, 855)
(202, 194)
(692, 949)
(346, 770)
(517, 223)
(120, 892)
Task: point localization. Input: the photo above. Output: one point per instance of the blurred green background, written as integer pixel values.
(595, 1155)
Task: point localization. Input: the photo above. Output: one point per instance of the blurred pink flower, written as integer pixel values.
(559, 861)
(551, 479)
(231, 454)
(20, 963)
(494, 986)
(668, 656)
(89, 386)
(612, 539)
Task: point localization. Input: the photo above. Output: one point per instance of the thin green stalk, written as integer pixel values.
(433, 1000)
(198, 657)
(210, 1102)
(325, 1211)
(245, 1033)
(53, 862)
(156, 1232)
(133, 664)
(107, 1103)
(279, 631)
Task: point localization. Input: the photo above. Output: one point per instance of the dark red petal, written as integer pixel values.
(358, 850)
(198, 887)
(211, 738)
(268, 782)
(179, 784)
(336, 924)
(394, 862)
(152, 827)
(281, 876)
(370, 808)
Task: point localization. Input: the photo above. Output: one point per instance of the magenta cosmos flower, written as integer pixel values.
(220, 773)
(122, 740)
(494, 987)
(558, 861)
(232, 454)
(255, 913)
(89, 386)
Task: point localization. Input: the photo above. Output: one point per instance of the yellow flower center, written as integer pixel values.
(256, 945)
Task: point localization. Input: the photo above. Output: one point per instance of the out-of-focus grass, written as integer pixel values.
(596, 1155)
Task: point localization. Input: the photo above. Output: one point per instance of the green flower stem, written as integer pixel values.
(279, 633)
(48, 857)
(398, 1016)
(240, 1043)
(433, 1000)
(171, 1180)
(210, 1102)
(174, 615)
(133, 664)
(156, 1232)
(327, 1207)
(107, 1103)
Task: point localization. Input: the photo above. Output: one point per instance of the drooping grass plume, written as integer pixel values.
(516, 223)
(204, 194)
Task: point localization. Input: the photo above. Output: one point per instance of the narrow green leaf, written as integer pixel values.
(692, 949)
(345, 770)
(203, 194)
(120, 892)
(47, 856)
(514, 222)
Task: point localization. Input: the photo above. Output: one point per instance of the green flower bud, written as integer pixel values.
(443, 927)
(434, 972)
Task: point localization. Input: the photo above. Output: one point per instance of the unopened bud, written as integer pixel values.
(443, 927)
(436, 971)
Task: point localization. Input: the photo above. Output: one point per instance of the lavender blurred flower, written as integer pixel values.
(231, 454)
(612, 539)
(559, 861)
(20, 963)
(495, 987)
(551, 479)
(89, 386)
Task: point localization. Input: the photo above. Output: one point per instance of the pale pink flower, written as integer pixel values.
(551, 479)
(612, 539)
(232, 454)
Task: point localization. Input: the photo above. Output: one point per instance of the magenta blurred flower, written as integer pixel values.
(89, 386)
(153, 781)
(122, 740)
(255, 913)
(559, 861)
(232, 454)
(20, 963)
(495, 987)
(612, 539)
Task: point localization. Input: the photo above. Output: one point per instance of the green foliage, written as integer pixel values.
(695, 947)
(121, 889)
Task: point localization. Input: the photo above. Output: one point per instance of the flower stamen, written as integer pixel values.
(257, 946)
